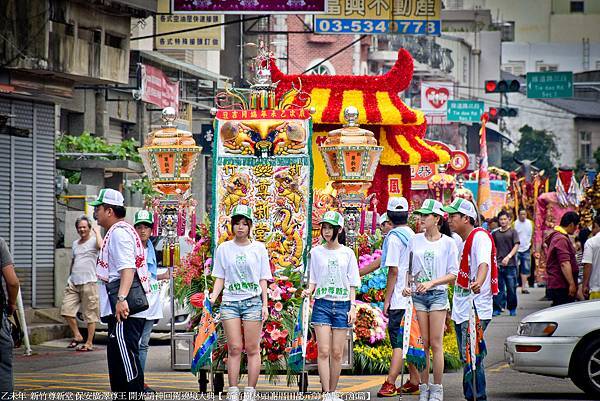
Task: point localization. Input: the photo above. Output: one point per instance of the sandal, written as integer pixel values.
(84, 348)
(74, 343)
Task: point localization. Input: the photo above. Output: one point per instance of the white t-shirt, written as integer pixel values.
(525, 231)
(155, 310)
(242, 268)
(398, 255)
(121, 255)
(84, 262)
(591, 254)
(333, 272)
(481, 252)
(432, 260)
(458, 241)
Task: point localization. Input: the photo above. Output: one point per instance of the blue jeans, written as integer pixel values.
(461, 339)
(524, 262)
(145, 342)
(507, 289)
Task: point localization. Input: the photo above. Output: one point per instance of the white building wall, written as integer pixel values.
(567, 56)
(542, 116)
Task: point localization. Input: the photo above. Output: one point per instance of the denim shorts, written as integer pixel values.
(432, 300)
(247, 309)
(524, 262)
(331, 313)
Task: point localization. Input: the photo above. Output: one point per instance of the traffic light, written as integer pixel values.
(496, 112)
(502, 86)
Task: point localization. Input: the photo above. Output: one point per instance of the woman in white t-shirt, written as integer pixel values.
(435, 265)
(334, 275)
(241, 271)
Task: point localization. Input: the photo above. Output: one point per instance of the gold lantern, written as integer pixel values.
(169, 156)
(351, 156)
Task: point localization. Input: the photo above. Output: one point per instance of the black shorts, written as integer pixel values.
(395, 318)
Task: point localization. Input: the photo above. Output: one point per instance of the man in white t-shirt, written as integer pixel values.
(121, 258)
(524, 228)
(82, 290)
(395, 256)
(462, 219)
(591, 263)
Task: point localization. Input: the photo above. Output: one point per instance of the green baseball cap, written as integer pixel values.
(334, 218)
(242, 210)
(108, 196)
(431, 206)
(143, 216)
(463, 206)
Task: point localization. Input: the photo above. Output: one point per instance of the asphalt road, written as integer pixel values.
(54, 368)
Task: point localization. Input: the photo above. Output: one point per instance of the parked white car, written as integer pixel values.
(562, 341)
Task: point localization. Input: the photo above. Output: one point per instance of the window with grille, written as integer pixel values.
(543, 67)
(585, 146)
(514, 67)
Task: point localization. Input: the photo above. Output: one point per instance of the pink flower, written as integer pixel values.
(278, 306)
(292, 289)
(275, 293)
(275, 334)
(208, 263)
(284, 333)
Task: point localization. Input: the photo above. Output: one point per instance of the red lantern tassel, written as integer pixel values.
(193, 225)
(155, 225)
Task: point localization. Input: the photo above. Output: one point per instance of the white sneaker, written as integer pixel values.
(233, 394)
(423, 392)
(249, 394)
(327, 396)
(436, 392)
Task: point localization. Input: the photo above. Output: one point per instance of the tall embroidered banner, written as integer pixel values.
(484, 192)
(262, 158)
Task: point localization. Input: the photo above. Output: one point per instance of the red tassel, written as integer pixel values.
(193, 225)
(155, 225)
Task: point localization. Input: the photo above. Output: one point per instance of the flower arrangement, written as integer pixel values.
(370, 324)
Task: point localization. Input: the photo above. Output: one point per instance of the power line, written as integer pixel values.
(237, 21)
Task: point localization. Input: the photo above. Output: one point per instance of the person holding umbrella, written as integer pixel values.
(334, 275)
(476, 283)
(241, 271)
(435, 265)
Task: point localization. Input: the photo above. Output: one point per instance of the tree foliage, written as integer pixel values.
(534, 144)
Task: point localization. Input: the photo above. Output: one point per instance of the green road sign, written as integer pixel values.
(465, 111)
(548, 85)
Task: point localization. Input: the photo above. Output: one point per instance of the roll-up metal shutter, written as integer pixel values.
(27, 197)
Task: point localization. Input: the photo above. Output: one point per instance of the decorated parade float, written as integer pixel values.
(292, 147)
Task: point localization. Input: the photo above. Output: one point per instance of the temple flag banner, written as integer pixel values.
(484, 192)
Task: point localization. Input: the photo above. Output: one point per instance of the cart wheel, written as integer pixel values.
(303, 382)
(202, 382)
(218, 382)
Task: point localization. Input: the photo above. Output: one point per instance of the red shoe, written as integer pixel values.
(409, 388)
(387, 390)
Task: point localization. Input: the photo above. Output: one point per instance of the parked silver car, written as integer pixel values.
(182, 316)
(562, 341)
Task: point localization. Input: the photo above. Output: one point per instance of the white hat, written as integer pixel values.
(430, 206)
(463, 206)
(397, 204)
(383, 218)
(108, 196)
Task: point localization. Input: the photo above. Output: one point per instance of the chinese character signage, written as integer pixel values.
(549, 85)
(464, 110)
(158, 89)
(263, 159)
(248, 6)
(410, 17)
(202, 39)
